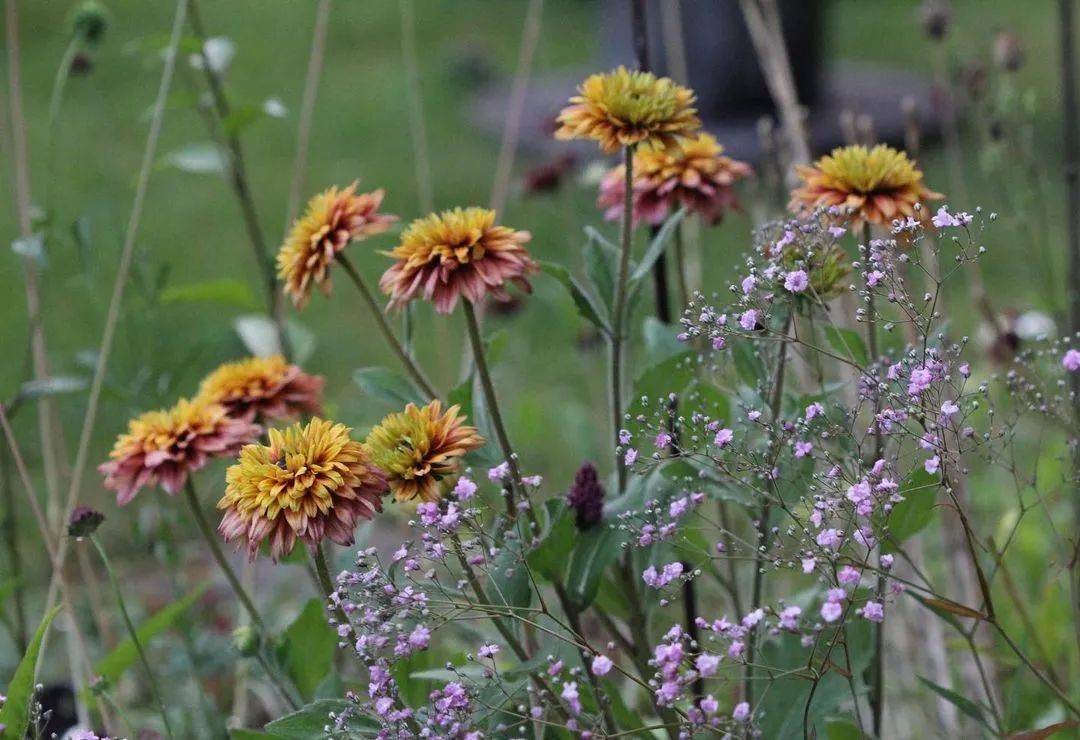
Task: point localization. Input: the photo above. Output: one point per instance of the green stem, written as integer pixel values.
(758, 583)
(480, 360)
(403, 355)
(219, 555)
(680, 268)
(133, 634)
(618, 317)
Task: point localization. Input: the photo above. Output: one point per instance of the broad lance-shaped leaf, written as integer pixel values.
(226, 291)
(307, 648)
(601, 264)
(965, 705)
(848, 344)
(124, 655)
(15, 713)
(387, 385)
(309, 721)
(656, 246)
(586, 303)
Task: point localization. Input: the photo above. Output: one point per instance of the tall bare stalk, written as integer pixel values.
(116, 299)
(1071, 171)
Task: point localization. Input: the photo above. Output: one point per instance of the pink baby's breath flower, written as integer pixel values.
(723, 438)
(1071, 360)
(828, 538)
(873, 611)
(749, 319)
(831, 611)
(707, 664)
(601, 665)
(748, 284)
(631, 456)
(813, 410)
(741, 712)
(932, 465)
(487, 651)
(464, 489)
(803, 448)
(796, 281)
(499, 472)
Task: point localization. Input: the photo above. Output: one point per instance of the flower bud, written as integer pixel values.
(89, 20)
(246, 640)
(84, 521)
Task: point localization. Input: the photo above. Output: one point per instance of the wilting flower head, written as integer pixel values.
(310, 482)
(695, 174)
(877, 185)
(586, 496)
(622, 108)
(420, 447)
(263, 388)
(333, 218)
(163, 447)
(458, 252)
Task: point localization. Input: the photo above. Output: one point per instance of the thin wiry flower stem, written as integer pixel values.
(126, 256)
(207, 531)
(133, 635)
(406, 359)
(241, 186)
(326, 581)
(480, 360)
(758, 584)
(618, 317)
(20, 156)
(307, 109)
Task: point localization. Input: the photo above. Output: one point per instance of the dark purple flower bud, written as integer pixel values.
(935, 17)
(586, 496)
(84, 521)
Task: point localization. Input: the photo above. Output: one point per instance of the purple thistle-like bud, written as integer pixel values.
(84, 521)
(586, 496)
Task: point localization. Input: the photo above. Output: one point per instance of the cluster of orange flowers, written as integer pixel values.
(311, 480)
(314, 481)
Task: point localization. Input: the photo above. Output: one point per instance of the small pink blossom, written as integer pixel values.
(601, 665)
(723, 438)
(796, 281)
(1071, 360)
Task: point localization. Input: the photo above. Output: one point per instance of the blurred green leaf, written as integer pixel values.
(660, 339)
(748, 365)
(965, 705)
(258, 333)
(495, 346)
(124, 655)
(238, 733)
(226, 290)
(657, 245)
(57, 384)
(387, 385)
(203, 157)
(668, 376)
(15, 712)
(301, 339)
(586, 303)
(915, 512)
(842, 729)
(32, 247)
(307, 648)
(308, 722)
(848, 344)
(601, 260)
(595, 549)
(240, 118)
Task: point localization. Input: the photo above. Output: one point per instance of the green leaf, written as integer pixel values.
(226, 291)
(585, 303)
(307, 723)
(495, 346)
(124, 655)
(656, 246)
(965, 705)
(202, 158)
(239, 733)
(387, 385)
(508, 581)
(601, 262)
(672, 375)
(660, 339)
(240, 118)
(57, 384)
(842, 729)
(32, 247)
(594, 550)
(848, 343)
(301, 339)
(748, 364)
(15, 713)
(548, 558)
(258, 333)
(915, 512)
(307, 648)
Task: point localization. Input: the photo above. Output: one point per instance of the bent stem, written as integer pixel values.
(133, 634)
(406, 359)
(619, 310)
(480, 360)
